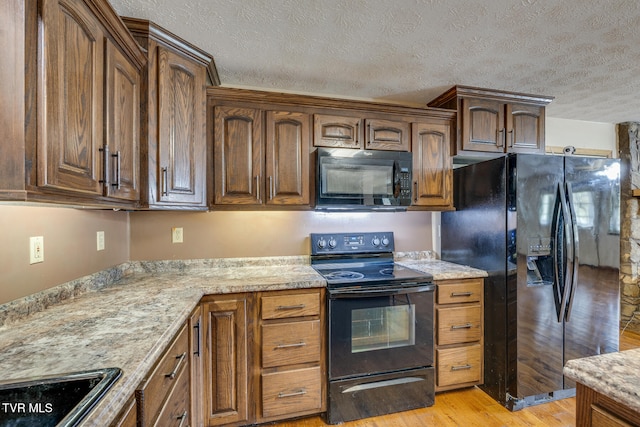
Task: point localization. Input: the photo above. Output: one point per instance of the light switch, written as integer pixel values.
(176, 235)
(100, 240)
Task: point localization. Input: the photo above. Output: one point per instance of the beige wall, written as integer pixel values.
(581, 134)
(69, 246)
(257, 233)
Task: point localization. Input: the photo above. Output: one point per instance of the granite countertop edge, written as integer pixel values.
(125, 316)
(609, 374)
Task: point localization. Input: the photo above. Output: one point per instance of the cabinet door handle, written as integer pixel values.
(164, 186)
(117, 157)
(500, 139)
(466, 326)
(511, 138)
(271, 189)
(257, 187)
(299, 344)
(197, 326)
(415, 191)
(461, 294)
(105, 165)
(291, 307)
(183, 418)
(301, 392)
(181, 358)
(460, 367)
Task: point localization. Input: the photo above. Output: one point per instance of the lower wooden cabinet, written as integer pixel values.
(163, 396)
(128, 416)
(459, 333)
(594, 409)
(263, 356)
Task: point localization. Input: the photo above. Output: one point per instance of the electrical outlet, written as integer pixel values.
(176, 235)
(36, 249)
(100, 240)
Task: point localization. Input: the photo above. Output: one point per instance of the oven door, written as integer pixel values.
(380, 329)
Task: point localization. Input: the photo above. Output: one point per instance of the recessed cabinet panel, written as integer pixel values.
(483, 125)
(387, 135)
(432, 165)
(238, 156)
(70, 112)
(336, 131)
(526, 130)
(122, 128)
(181, 137)
(287, 149)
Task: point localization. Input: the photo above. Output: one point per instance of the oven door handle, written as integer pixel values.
(363, 292)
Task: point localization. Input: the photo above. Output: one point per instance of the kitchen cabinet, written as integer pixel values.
(594, 409)
(496, 122)
(346, 132)
(432, 164)
(227, 359)
(268, 369)
(81, 104)
(459, 333)
(196, 363)
(128, 415)
(164, 395)
(291, 345)
(256, 168)
(173, 119)
(264, 145)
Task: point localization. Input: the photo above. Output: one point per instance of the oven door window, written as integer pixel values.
(380, 334)
(379, 328)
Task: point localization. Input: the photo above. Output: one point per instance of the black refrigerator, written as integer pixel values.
(547, 230)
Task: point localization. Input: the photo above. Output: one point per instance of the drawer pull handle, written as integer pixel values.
(294, 394)
(171, 375)
(291, 307)
(182, 418)
(466, 326)
(461, 294)
(461, 368)
(299, 344)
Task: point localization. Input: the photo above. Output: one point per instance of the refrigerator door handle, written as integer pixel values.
(575, 258)
(568, 250)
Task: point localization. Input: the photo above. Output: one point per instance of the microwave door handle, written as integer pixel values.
(396, 180)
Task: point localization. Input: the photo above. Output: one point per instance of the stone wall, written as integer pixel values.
(629, 153)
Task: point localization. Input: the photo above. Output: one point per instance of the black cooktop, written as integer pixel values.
(367, 270)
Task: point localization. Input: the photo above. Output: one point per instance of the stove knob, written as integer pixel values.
(375, 241)
(322, 243)
(385, 241)
(332, 243)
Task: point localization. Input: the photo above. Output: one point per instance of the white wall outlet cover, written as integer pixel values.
(36, 249)
(100, 240)
(177, 235)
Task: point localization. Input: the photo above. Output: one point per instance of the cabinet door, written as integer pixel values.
(197, 367)
(182, 136)
(336, 131)
(70, 109)
(287, 149)
(483, 125)
(122, 127)
(387, 135)
(226, 364)
(238, 156)
(432, 165)
(525, 128)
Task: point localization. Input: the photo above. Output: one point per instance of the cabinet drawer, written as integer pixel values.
(459, 292)
(290, 343)
(289, 392)
(458, 365)
(292, 305)
(459, 324)
(161, 381)
(176, 407)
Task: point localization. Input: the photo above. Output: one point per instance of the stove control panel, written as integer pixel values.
(344, 243)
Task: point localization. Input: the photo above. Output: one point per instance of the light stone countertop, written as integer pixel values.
(613, 374)
(126, 316)
(441, 270)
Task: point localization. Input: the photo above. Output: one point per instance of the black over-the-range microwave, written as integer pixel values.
(349, 179)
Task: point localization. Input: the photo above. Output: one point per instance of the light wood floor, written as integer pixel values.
(472, 407)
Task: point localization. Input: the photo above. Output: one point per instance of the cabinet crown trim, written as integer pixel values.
(506, 96)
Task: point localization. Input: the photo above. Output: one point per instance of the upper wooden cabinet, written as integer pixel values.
(260, 157)
(432, 164)
(492, 121)
(347, 132)
(173, 121)
(80, 102)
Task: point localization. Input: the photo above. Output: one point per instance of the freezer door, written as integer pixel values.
(593, 304)
(538, 355)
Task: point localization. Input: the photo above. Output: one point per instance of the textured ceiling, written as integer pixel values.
(585, 53)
